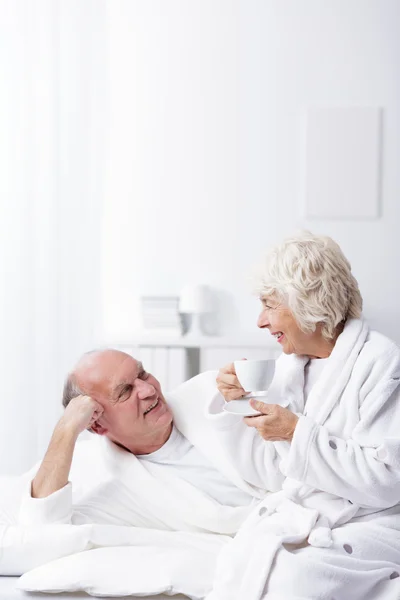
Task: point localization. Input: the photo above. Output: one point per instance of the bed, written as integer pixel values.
(8, 591)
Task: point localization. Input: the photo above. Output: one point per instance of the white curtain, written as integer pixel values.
(52, 115)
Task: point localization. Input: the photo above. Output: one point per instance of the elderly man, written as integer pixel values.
(149, 463)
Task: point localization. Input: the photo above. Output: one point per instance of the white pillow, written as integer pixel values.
(128, 571)
(11, 490)
(24, 548)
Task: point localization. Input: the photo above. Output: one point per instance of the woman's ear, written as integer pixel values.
(96, 428)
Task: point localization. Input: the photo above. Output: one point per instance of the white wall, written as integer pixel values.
(206, 148)
(51, 74)
(186, 118)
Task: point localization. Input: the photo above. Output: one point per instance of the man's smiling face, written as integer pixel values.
(135, 411)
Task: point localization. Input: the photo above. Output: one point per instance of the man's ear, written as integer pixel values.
(96, 428)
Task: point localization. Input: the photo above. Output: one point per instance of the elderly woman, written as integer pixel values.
(333, 529)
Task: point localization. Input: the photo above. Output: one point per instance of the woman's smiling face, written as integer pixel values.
(280, 322)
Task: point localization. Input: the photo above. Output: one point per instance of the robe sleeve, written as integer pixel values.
(17, 507)
(256, 460)
(365, 468)
(54, 509)
(61, 507)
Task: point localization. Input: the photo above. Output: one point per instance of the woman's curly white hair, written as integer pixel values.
(311, 275)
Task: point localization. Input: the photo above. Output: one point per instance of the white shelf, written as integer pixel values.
(174, 359)
(238, 341)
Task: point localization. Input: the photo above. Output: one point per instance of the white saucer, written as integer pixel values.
(242, 407)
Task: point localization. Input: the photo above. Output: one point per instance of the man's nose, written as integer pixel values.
(145, 389)
(263, 320)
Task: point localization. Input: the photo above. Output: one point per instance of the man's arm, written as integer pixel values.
(53, 473)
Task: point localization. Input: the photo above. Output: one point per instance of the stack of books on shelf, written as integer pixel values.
(160, 315)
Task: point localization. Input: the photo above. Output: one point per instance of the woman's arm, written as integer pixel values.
(364, 469)
(257, 461)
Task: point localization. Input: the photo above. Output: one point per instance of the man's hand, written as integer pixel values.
(228, 384)
(275, 424)
(80, 414)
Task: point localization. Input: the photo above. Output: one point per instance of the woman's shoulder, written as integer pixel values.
(380, 348)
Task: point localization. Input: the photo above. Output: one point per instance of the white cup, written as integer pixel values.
(255, 375)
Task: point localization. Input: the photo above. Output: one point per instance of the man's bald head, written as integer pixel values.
(92, 370)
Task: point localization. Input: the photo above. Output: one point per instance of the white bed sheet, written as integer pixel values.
(8, 591)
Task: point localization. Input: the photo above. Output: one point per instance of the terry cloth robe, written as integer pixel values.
(333, 531)
(108, 485)
(114, 499)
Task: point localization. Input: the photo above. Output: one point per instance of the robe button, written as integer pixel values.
(348, 548)
(333, 444)
(394, 575)
(262, 511)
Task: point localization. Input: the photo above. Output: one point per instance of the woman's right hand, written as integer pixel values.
(228, 383)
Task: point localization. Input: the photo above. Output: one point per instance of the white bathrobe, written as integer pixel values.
(116, 500)
(108, 485)
(333, 531)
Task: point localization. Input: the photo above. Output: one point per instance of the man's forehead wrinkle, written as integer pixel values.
(129, 367)
(125, 373)
(97, 370)
(100, 372)
(92, 373)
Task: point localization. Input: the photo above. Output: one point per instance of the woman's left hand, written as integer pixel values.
(275, 424)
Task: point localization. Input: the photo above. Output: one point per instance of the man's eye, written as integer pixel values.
(126, 392)
(144, 375)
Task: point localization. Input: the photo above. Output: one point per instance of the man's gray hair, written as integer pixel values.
(311, 275)
(71, 390)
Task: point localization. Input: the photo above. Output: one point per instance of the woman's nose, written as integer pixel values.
(263, 320)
